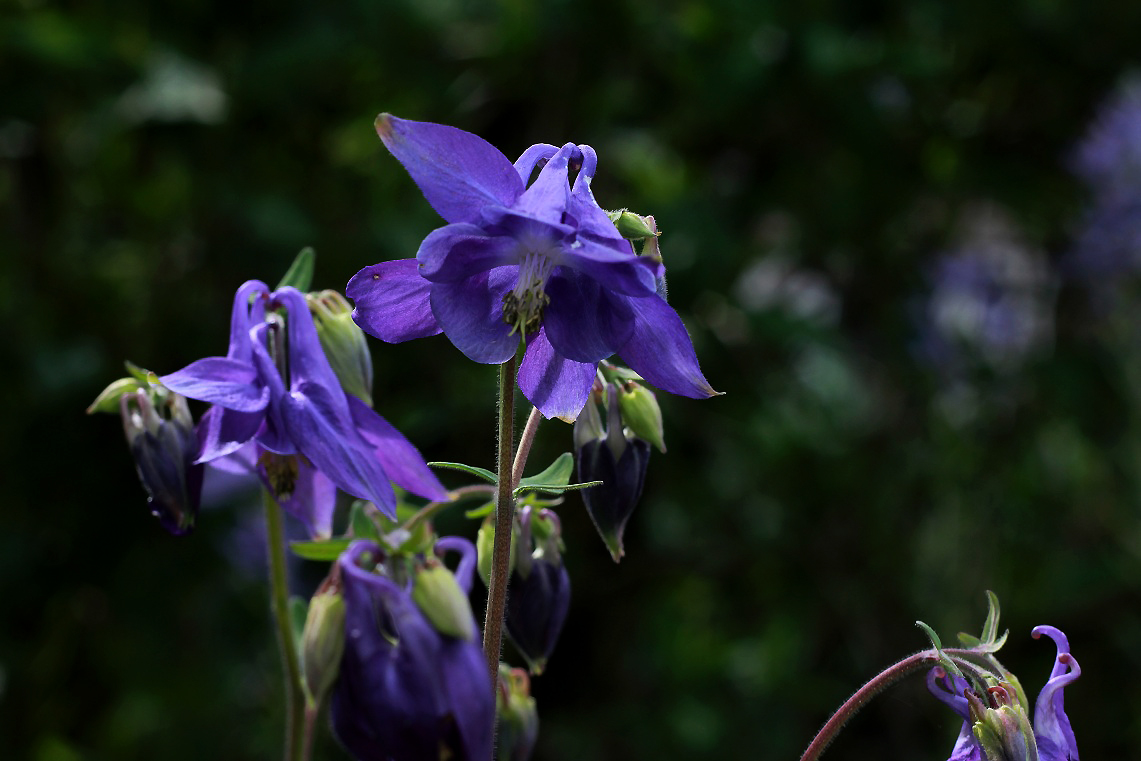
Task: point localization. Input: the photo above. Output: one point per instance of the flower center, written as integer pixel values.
(282, 473)
(523, 305)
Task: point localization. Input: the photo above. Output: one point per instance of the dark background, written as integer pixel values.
(870, 218)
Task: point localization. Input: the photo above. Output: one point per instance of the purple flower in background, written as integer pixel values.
(406, 690)
(542, 262)
(995, 723)
(276, 392)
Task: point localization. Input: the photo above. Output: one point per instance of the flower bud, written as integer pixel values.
(343, 342)
(641, 413)
(1001, 725)
(160, 434)
(518, 719)
(323, 640)
(539, 588)
(617, 459)
(439, 597)
(633, 226)
(485, 544)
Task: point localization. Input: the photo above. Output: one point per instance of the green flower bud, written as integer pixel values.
(343, 342)
(108, 399)
(517, 716)
(641, 414)
(484, 543)
(439, 597)
(1002, 728)
(323, 641)
(633, 226)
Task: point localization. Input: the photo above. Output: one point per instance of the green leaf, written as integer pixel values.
(300, 273)
(481, 511)
(298, 612)
(483, 473)
(553, 488)
(360, 523)
(326, 550)
(931, 635)
(990, 628)
(558, 472)
(108, 399)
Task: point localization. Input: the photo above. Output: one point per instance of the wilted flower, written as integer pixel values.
(407, 690)
(617, 459)
(276, 389)
(541, 262)
(996, 726)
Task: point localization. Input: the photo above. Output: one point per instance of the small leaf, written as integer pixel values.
(553, 488)
(360, 523)
(108, 399)
(483, 473)
(300, 273)
(931, 635)
(481, 511)
(327, 550)
(558, 472)
(990, 628)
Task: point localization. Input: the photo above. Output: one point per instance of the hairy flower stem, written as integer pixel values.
(889, 676)
(279, 599)
(525, 442)
(504, 515)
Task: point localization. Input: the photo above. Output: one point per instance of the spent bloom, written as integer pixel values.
(410, 687)
(996, 724)
(538, 261)
(279, 408)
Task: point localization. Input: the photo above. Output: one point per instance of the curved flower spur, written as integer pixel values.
(540, 262)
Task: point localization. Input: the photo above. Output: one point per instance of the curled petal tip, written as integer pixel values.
(1053, 633)
(383, 125)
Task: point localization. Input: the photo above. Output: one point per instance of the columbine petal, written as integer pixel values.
(584, 321)
(222, 432)
(391, 300)
(660, 350)
(624, 273)
(525, 164)
(307, 360)
(1051, 725)
(548, 195)
(396, 454)
(456, 252)
(557, 386)
(243, 315)
(458, 172)
(471, 314)
(229, 383)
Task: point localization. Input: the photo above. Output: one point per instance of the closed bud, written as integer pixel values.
(343, 342)
(633, 226)
(323, 640)
(515, 711)
(540, 587)
(439, 597)
(160, 434)
(641, 413)
(484, 544)
(617, 459)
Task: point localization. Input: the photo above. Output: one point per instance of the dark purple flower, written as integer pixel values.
(275, 388)
(407, 691)
(541, 262)
(996, 726)
(540, 588)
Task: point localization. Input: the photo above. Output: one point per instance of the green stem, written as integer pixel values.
(504, 515)
(279, 598)
(525, 442)
(889, 676)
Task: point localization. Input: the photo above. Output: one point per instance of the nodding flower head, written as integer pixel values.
(996, 723)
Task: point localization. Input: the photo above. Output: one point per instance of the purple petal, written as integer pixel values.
(243, 315)
(471, 314)
(557, 386)
(458, 172)
(391, 300)
(525, 164)
(1050, 720)
(468, 558)
(549, 194)
(584, 321)
(626, 273)
(330, 442)
(222, 432)
(399, 458)
(229, 383)
(661, 352)
(307, 361)
(313, 500)
(457, 252)
(274, 435)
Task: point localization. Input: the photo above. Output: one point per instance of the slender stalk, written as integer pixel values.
(879, 683)
(311, 712)
(430, 509)
(525, 442)
(279, 599)
(504, 514)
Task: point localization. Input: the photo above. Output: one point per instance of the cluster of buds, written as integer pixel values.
(617, 454)
(161, 436)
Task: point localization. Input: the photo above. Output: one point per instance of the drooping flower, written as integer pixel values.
(996, 725)
(540, 588)
(407, 690)
(275, 389)
(539, 261)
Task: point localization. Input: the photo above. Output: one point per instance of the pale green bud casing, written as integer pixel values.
(641, 414)
(484, 540)
(439, 597)
(322, 643)
(343, 342)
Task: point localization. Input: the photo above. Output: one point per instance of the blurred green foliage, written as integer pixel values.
(805, 161)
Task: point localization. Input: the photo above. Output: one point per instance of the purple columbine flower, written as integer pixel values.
(406, 690)
(995, 723)
(275, 389)
(539, 261)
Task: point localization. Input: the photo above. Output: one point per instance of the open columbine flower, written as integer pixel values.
(275, 390)
(542, 262)
(996, 726)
